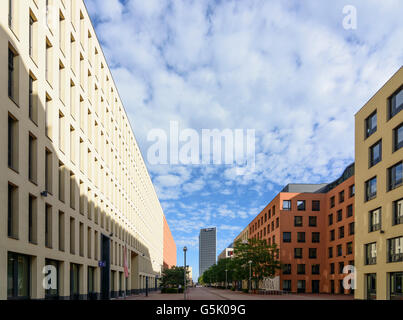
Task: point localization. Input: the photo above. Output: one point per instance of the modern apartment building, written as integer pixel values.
(310, 224)
(207, 248)
(78, 204)
(379, 198)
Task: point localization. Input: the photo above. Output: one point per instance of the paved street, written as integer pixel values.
(217, 294)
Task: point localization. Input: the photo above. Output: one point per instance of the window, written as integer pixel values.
(298, 253)
(301, 205)
(312, 253)
(49, 62)
(33, 99)
(13, 85)
(341, 196)
(287, 269)
(398, 212)
(72, 236)
(313, 221)
(91, 283)
(330, 219)
(370, 189)
(287, 285)
(396, 103)
(371, 124)
(341, 267)
(332, 268)
(315, 237)
(277, 222)
(287, 205)
(332, 202)
(352, 191)
(61, 231)
(350, 211)
(301, 286)
(298, 221)
(375, 154)
(300, 269)
(48, 171)
(32, 158)
(315, 269)
(81, 239)
(32, 219)
(351, 229)
(12, 211)
(315, 205)
(33, 25)
(12, 143)
(62, 132)
(371, 286)
(301, 237)
(48, 117)
(395, 249)
(72, 190)
(53, 293)
(330, 252)
(339, 250)
(332, 235)
(349, 248)
(341, 232)
(18, 276)
(339, 215)
(48, 226)
(370, 253)
(395, 176)
(398, 137)
(286, 236)
(396, 286)
(74, 281)
(62, 83)
(375, 220)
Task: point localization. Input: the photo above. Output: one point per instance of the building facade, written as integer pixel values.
(79, 206)
(379, 198)
(207, 249)
(169, 247)
(298, 221)
(226, 253)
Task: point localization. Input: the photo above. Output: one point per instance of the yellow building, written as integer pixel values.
(379, 194)
(78, 201)
(243, 236)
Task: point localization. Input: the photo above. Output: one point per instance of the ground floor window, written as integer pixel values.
(396, 286)
(74, 281)
(371, 286)
(52, 288)
(315, 286)
(287, 285)
(18, 276)
(301, 286)
(91, 283)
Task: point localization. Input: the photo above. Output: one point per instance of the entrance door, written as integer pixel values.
(371, 286)
(105, 269)
(315, 286)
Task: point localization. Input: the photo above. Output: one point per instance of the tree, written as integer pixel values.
(173, 277)
(264, 260)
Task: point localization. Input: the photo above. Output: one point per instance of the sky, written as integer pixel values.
(288, 69)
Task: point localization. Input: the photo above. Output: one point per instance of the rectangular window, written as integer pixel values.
(339, 250)
(370, 189)
(370, 253)
(18, 276)
(72, 236)
(315, 237)
(375, 153)
(375, 220)
(312, 253)
(61, 231)
(49, 117)
(332, 268)
(395, 175)
(398, 212)
(62, 182)
(62, 83)
(349, 248)
(339, 215)
(301, 237)
(13, 86)
(396, 103)
(287, 269)
(301, 286)
(352, 191)
(48, 171)
(48, 226)
(398, 138)
(341, 196)
(298, 253)
(371, 286)
(313, 221)
(32, 158)
(62, 132)
(33, 99)
(395, 249)
(287, 205)
(332, 235)
(350, 211)
(53, 293)
(72, 190)
(12, 211)
(89, 243)
(351, 229)
(341, 232)
(315, 269)
(286, 236)
(33, 38)
(300, 268)
(371, 124)
(341, 267)
(287, 285)
(32, 220)
(12, 143)
(330, 252)
(330, 217)
(315, 205)
(396, 286)
(332, 202)
(301, 205)
(298, 221)
(81, 239)
(49, 62)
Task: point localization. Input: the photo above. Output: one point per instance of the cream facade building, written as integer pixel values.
(379, 194)
(79, 207)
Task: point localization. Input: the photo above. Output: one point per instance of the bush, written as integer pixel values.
(245, 290)
(232, 289)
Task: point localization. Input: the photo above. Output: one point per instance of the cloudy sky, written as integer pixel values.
(286, 68)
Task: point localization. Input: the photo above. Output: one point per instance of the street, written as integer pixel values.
(217, 294)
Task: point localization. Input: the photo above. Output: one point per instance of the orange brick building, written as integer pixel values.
(312, 250)
(169, 251)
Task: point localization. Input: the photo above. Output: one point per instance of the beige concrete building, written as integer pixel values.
(379, 194)
(76, 194)
(226, 253)
(243, 236)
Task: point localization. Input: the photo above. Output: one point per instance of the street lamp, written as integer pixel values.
(185, 268)
(250, 275)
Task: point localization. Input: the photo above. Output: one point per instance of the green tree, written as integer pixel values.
(172, 277)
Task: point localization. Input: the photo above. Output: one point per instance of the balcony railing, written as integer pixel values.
(395, 257)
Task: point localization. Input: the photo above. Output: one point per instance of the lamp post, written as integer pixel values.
(250, 275)
(185, 268)
(226, 279)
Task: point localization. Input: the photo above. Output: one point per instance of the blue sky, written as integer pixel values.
(287, 69)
